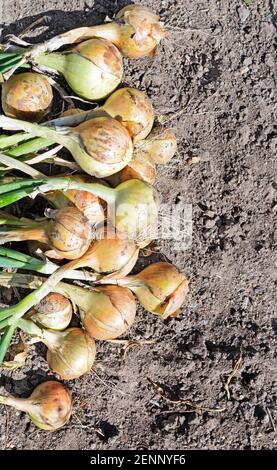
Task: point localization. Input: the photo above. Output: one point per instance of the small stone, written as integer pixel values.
(193, 160)
(243, 13)
(210, 223)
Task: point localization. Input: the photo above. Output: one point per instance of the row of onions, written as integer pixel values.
(97, 218)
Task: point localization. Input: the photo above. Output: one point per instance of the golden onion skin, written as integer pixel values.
(108, 146)
(163, 289)
(52, 405)
(54, 312)
(159, 147)
(138, 169)
(136, 209)
(141, 31)
(74, 356)
(27, 96)
(133, 109)
(104, 139)
(109, 252)
(93, 69)
(110, 313)
(69, 233)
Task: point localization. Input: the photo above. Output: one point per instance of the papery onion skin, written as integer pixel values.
(111, 313)
(137, 169)
(133, 109)
(49, 406)
(69, 233)
(71, 112)
(27, 96)
(73, 356)
(159, 147)
(54, 405)
(110, 252)
(108, 146)
(54, 312)
(141, 31)
(161, 288)
(136, 209)
(93, 69)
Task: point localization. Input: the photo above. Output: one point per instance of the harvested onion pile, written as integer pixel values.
(92, 229)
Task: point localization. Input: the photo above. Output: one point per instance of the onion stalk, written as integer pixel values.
(66, 231)
(160, 288)
(27, 96)
(49, 406)
(132, 205)
(93, 69)
(101, 146)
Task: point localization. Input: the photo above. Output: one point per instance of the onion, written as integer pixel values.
(159, 147)
(106, 312)
(136, 32)
(160, 288)
(138, 168)
(133, 109)
(71, 352)
(101, 146)
(91, 206)
(68, 233)
(132, 205)
(27, 96)
(49, 406)
(54, 311)
(110, 253)
(93, 69)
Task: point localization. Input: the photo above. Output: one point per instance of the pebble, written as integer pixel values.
(243, 13)
(210, 223)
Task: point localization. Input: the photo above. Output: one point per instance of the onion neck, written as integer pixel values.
(104, 192)
(108, 31)
(78, 295)
(34, 130)
(53, 339)
(55, 61)
(21, 404)
(23, 234)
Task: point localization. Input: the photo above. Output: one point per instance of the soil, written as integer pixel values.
(217, 66)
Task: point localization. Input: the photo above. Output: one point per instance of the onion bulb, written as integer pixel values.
(54, 312)
(67, 232)
(160, 288)
(133, 109)
(93, 69)
(138, 168)
(49, 406)
(136, 31)
(159, 147)
(71, 352)
(101, 146)
(27, 96)
(110, 253)
(91, 206)
(106, 311)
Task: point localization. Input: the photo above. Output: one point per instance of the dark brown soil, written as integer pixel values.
(218, 66)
